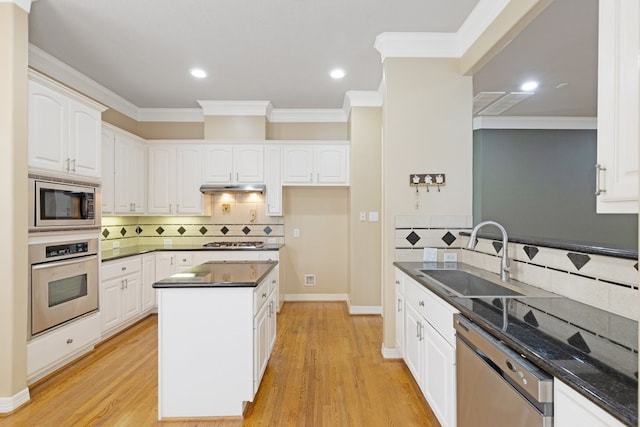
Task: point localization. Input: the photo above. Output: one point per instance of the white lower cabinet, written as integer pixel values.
(572, 409)
(148, 277)
(428, 344)
(264, 325)
(53, 350)
(120, 293)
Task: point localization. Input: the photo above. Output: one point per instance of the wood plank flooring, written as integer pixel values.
(326, 370)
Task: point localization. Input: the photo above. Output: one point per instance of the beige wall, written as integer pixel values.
(365, 196)
(321, 215)
(307, 131)
(154, 130)
(427, 127)
(13, 183)
(235, 127)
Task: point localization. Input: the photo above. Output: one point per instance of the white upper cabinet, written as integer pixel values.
(233, 163)
(175, 176)
(108, 171)
(130, 172)
(618, 107)
(64, 131)
(314, 163)
(273, 181)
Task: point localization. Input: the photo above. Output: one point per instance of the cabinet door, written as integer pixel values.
(261, 344)
(110, 303)
(413, 343)
(572, 409)
(248, 164)
(148, 277)
(84, 140)
(272, 309)
(162, 179)
(297, 164)
(108, 177)
(165, 265)
(218, 164)
(440, 377)
(138, 174)
(273, 181)
(48, 128)
(618, 106)
(131, 293)
(189, 179)
(122, 176)
(332, 164)
(400, 312)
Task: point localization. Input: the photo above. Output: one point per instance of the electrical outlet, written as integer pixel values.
(296, 232)
(116, 245)
(252, 215)
(168, 243)
(363, 216)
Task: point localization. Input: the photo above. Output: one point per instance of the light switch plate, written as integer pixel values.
(430, 255)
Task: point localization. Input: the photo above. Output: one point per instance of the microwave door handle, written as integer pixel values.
(84, 206)
(64, 262)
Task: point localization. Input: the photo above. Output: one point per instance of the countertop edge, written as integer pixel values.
(585, 389)
(216, 285)
(142, 250)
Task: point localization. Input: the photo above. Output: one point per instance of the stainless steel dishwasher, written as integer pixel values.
(496, 386)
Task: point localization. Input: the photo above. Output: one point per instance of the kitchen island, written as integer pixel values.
(216, 329)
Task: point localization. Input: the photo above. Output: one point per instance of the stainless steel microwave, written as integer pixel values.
(63, 206)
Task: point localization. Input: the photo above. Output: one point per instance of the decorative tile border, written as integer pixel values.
(413, 233)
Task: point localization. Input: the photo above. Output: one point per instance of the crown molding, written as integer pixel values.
(51, 66)
(22, 4)
(308, 115)
(441, 45)
(362, 98)
(528, 122)
(235, 108)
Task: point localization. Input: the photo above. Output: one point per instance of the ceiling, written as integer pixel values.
(282, 50)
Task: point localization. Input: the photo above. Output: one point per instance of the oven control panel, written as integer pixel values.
(67, 249)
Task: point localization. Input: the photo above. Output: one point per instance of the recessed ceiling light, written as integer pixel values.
(529, 86)
(198, 73)
(337, 73)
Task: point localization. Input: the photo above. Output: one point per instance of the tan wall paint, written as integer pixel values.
(304, 131)
(365, 196)
(427, 128)
(154, 130)
(13, 182)
(321, 214)
(235, 127)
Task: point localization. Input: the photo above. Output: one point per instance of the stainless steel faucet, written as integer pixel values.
(473, 241)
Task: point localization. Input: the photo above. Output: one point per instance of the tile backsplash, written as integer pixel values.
(606, 282)
(234, 217)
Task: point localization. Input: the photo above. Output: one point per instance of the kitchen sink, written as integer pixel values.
(465, 284)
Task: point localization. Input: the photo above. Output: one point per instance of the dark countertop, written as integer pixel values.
(220, 274)
(591, 350)
(112, 254)
(587, 248)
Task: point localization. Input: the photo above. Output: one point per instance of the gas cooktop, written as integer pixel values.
(234, 245)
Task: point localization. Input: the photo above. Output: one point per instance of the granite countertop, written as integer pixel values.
(591, 350)
(220, 274)
(112, 254)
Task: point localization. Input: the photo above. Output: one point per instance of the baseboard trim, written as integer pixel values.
(10, 404)
(390, 353)
(315, 297)
(364, 309)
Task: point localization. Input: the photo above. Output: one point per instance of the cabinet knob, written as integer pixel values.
(421, 303)
(69, 340)
(264, 295)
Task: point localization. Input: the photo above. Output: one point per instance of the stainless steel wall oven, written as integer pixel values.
(63, 277)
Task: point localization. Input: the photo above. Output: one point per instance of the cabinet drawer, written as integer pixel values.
(184, 259)
(260, 295)
(111, 269)
(53, 347)
(433, 308)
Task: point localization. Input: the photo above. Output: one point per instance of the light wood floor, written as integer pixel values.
(326, 370)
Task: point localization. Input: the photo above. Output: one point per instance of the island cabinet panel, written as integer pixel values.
(572, 409)
(205, 351)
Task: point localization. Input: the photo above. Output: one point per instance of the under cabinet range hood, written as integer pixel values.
(232, 188)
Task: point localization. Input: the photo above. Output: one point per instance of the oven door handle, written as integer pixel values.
(63, 262)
